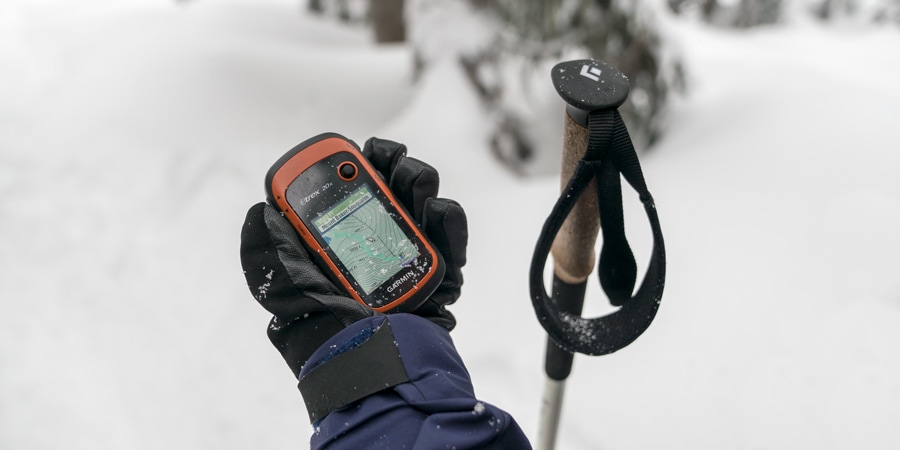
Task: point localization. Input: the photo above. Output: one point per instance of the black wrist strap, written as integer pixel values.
(609, 154)
(370, 367)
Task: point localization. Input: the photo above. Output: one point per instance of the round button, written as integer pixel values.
(347, 171)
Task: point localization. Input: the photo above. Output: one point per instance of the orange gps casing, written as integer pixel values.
(326, 170)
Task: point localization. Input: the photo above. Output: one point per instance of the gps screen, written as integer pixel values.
(366, 239)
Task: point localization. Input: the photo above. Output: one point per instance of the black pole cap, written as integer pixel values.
(589, 85)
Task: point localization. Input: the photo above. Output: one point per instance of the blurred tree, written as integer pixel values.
(387, 20)
(737, 14)
(510, 69)
(751, 13)
(889, 12)
(385, 16)
(507, 47)
(878, 11)
(349, 11)
(703, 8)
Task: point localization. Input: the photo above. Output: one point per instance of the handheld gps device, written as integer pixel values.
(356, 230)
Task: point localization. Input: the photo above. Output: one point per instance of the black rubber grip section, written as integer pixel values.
(569, 298)
(373, 366)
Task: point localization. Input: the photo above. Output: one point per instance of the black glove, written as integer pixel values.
(308, 308)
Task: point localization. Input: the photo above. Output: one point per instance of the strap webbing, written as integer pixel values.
(609, 154)
(370, 367)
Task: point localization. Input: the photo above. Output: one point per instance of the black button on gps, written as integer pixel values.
(347, 171)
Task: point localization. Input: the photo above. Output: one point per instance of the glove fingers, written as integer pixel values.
(446, 226)
(384, 155)
(414, 182)
(411, 180)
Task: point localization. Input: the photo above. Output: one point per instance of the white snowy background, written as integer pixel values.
(135, 135)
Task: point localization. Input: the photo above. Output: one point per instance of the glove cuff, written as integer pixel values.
(366, 363)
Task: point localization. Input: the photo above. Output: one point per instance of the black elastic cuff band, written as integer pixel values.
(373, 366)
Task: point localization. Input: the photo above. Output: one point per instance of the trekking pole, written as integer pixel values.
(597, 153)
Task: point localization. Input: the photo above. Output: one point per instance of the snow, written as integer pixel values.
(135, 135)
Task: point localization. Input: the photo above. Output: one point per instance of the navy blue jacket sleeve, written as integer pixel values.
(434, 408)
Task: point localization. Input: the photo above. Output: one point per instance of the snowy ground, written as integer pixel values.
(134, 136)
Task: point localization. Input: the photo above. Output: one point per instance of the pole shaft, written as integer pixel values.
(551, 406)
(573, 261)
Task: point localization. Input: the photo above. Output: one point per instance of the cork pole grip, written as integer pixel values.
(573, 248)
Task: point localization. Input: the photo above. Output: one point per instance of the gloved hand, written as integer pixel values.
(308, 308)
